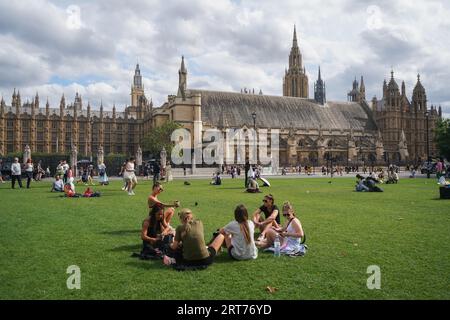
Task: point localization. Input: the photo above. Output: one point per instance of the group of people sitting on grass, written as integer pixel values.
(367, 184)
(69, 189)
(186, 246)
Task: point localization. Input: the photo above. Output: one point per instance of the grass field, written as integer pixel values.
(405, 231)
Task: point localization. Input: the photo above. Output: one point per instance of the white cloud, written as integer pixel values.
(227, 44)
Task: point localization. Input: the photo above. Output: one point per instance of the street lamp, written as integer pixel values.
(91, 138)
(254, 140)
(427, 113)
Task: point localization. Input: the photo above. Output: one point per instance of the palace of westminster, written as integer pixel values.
(312, 130)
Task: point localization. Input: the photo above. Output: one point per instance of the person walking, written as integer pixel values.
(29, 172)
(1, 176)
(16, 173)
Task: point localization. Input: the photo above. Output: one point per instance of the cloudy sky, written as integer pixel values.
(56, 47)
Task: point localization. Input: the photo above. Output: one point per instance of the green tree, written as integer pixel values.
(442, 137)
(160, 137)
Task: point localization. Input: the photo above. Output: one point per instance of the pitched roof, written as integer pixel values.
(236, 110)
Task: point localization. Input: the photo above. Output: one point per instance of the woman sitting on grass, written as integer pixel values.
(155, 237)
(290, 233)
(153, 201)
(271, 216)
(189, 248)
(239, 236)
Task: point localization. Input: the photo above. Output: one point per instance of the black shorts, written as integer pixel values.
(229, 253)
(203, 262)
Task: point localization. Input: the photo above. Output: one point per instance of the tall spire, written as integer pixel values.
(137, 81)
(319, 90)
(294, 39)
(295, 81)
(182, 80)
(183, 67)
(362, 90)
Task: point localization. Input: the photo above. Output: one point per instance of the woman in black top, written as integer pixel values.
(153, 234)
(271, 216)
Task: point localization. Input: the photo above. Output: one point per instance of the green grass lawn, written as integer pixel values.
(405, 231)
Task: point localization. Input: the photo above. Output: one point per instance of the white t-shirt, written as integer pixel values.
(15, 169)
(241, 249)
(129, 171)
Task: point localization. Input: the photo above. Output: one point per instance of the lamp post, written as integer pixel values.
(427, 113)
(91, 138)
(254, 140)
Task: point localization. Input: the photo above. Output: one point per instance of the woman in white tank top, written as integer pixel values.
(292, 233)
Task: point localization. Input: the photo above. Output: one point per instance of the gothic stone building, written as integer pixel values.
(54, 130)
(312, 131)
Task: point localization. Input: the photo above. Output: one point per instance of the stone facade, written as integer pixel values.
(312, 131)
(399, 117)
(55, 130)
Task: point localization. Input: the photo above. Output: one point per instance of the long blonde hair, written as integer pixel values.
(241, 216)
(183, 215)
(288, 206)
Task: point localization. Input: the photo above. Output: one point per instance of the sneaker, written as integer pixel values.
(123, 188)
(130, 194)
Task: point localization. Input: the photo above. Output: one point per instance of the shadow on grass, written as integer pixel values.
(129, 247)
(147, 264)
(121, 232)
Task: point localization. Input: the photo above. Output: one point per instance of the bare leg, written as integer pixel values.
(266, 228)
(270, 237)
(168, 214)
(217, 242)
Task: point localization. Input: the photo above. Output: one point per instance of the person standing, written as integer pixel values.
(16, 173)
(156, 172)
(102, 174)
(439, 168)
(29, 172)
(247, 169)
(65, 168)
(70, 178)
(1, 176)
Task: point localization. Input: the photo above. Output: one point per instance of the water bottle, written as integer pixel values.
(276, 245)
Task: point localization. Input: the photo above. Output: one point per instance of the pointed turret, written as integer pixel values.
(419, 98)
(89, 109)
(362, 89)
(114, 111)
(36, 101)
(294, 39)
(101, 109)
(319, 90)
(47, 108)
(137, 81)
(62, 103)
(18, 100)
(2, 106)
(440, 111)
(182, 80)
